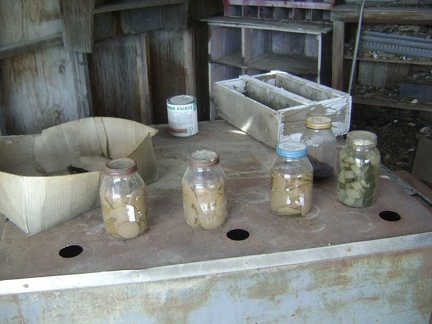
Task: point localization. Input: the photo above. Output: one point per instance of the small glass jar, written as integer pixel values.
(321, 147)
(123, 197)
(358, 170)
(204, 191)
(291, 180)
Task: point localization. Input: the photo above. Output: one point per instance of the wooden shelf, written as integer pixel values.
(383, 14)
(284, 26)
(371, 59)
(373, 14)
(232, 60)
(296, 65)
(390, 103)
(269, 62)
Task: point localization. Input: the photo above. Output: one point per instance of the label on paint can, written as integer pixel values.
(182, 116)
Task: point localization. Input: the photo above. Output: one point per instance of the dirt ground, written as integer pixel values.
(398, 131)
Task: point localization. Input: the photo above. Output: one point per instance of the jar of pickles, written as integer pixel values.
(358, 170)
(123, 197)
(291, 180)
(204, 191)
(321, 147)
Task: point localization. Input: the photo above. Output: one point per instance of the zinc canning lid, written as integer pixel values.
(203, 158)
(361, 138)
(318, 122)
(120, 167)
(291, 149)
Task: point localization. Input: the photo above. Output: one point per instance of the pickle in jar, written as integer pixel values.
(204, 207)
(290, 195)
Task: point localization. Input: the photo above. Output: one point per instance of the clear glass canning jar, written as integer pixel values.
(291, 180)
(321, 147)
(123, 197)
(204, 191)
(358, 170)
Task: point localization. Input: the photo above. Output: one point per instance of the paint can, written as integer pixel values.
(182, 116)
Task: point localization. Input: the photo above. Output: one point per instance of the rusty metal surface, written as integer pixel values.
(171, 241)
(385, 281)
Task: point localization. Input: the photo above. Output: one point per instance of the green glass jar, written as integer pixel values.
(359, 164)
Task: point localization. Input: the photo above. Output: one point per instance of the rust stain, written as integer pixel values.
(269, 288)
(177, 299)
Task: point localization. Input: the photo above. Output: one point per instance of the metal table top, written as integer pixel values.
(170, 241)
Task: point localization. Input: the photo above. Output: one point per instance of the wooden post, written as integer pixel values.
(338, 54)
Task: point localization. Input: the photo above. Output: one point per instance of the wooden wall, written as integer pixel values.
(62, 60)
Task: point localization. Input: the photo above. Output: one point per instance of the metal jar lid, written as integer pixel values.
(318, 122)
(203, 158)
(119, 167)
(361, 138)
(291, 149)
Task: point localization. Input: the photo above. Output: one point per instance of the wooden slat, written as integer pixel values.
(338, 44)
(77, 21)
(114, 78)
(32, 45)
(142, 60)
(418, 186)
(37, 90)
(82, 84)
(391, 103)
(134, 5)
(383, 14)
(285, 26)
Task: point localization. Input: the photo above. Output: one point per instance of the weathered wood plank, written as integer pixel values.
(152, 18)
(338, 57)
(82, 84)
(201, 38)
(113, 67)
(27, 20)
(142, 60)
(30, 45)
(218, 72)
(137, 4)
(285, 26)
(169, 75)
(37, 90)
(380, 15)
(372, 74)
(77, 21)
(248, 115)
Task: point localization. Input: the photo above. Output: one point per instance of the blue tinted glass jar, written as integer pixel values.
(291, 180)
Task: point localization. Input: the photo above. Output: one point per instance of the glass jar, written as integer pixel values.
(123, 197)
(321, 147)
(291, 180)
(358, 170)
(204, 191)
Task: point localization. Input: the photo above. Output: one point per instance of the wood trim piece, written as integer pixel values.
(135, 5)
(33, 45)
(418, 186)
(77, 21)
(82, 84)
(349, 13)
